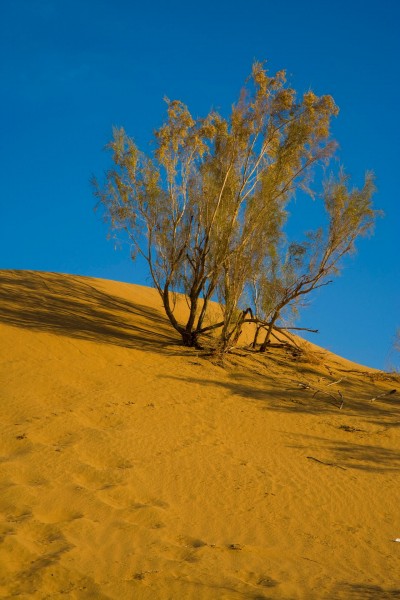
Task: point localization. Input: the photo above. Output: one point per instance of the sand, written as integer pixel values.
(133, 468)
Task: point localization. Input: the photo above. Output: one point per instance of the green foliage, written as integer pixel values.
(207, 210)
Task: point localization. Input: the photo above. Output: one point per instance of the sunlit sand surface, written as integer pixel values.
(133, 468)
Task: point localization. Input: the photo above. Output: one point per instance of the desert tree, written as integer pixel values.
(206, 210)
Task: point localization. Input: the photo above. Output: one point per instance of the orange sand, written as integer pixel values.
(133, 468)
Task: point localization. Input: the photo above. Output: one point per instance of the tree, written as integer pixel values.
(207, 210)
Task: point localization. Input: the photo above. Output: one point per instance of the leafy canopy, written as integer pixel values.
(207, 209)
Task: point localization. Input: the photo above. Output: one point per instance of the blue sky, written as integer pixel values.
(71, 70)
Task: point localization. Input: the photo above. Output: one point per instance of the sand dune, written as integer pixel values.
(133, 468)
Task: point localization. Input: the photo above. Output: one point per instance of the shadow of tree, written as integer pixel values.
(366, 457)
(285, 391)
(73, 306)
(349, 454)
(359, 591)
(280, 393)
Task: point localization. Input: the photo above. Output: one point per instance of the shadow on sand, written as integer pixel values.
(359, 591)
(355, 446)
(286, 392)
(72, 306)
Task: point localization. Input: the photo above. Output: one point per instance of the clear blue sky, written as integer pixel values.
(70, 70)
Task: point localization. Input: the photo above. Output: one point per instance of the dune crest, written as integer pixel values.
(131, 467)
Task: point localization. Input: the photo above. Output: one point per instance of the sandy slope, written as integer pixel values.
(132, 468)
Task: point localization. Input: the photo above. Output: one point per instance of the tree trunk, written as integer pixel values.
(254, 344)
(168, 309)
(265, 343)
(190, 339)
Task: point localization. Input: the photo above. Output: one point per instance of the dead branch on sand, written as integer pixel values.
(383, 394)
(326, 463)
(316, 390)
